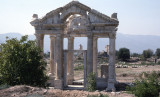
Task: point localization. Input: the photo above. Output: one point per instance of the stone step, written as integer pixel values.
(78, 82)
(74, 87)
(101, 83)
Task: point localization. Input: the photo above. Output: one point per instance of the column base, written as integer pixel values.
(58, 84)
(111, 86)
(70, 79)
(51, 80)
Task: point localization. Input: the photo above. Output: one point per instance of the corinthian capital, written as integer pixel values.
(71, 38)
(90, 35)
(52, 36)
(112, 35)
(38, 36)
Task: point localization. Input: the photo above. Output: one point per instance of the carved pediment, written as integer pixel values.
(76, 24)
(60, 15)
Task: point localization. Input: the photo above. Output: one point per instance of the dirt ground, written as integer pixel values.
(124, 75)
(27, 91)
(130, 74)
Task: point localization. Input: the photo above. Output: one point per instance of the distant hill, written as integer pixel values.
(136, 43)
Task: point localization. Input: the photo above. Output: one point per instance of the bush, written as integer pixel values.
(91, 82)
(81, 67)
(148, 86)
(22, 63)
(123, 54)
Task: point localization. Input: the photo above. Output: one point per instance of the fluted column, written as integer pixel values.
(58, 83)
(55, 54)
(40, 41)
(95, 50)
(111, 69)
(90, 54)
(70, 72)
(52, 48)
(58, 57)
(37, 39)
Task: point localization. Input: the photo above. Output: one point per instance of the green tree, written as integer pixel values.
(124, 54)
(22, 63)
(147, 53)
(116, 53)
(158, 52)
(135, 55)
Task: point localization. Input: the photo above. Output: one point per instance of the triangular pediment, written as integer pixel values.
(81, 7)
(67, 6)
(60, 14)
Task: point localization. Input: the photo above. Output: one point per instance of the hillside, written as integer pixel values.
(136, 43)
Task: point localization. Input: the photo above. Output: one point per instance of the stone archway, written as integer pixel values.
(69, 79)
(91, 24)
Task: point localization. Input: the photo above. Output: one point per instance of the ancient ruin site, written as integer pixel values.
(28, 70)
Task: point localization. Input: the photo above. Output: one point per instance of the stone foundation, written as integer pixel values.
(58, 84)
(51, 81)
(70, 79)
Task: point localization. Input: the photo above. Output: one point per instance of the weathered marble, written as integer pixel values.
(111, 66)
(90, 54)
(95, 51)
(52, 60)
(76, 20)
(70, 73)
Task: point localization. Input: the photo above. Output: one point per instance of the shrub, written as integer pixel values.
(146, 87)
(81, 67)
(22, 63)
(91, 82)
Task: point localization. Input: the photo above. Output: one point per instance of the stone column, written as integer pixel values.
(37, 39)
(40, 39)
(52, 65)
(111, 67)
(95, 50)
(55, 54)
(70, 72)
(42, 42)
(58, 78)
(85, 68)
(52, 47)
(90, 54)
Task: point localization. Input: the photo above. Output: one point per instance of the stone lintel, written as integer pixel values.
(53, 25)
(103, 24)
(52, 36)
(49, 31)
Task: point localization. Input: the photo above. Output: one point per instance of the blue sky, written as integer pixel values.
(140, 17)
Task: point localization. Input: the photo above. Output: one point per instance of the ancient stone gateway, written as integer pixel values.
(76, 20)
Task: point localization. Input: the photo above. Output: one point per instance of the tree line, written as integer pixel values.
(124, 54)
